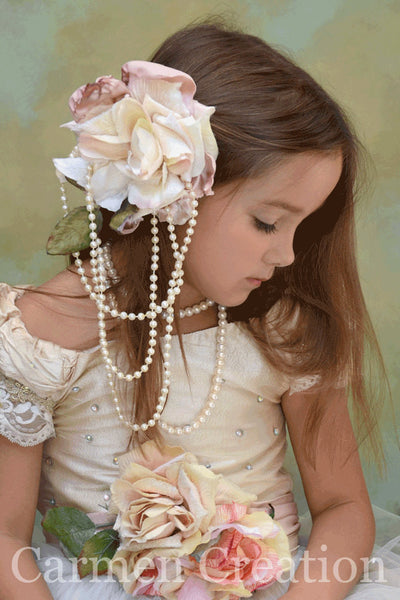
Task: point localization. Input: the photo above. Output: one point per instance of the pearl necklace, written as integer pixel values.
(97, 293)
(189, 311)
(212, 395)
(215, 386)
(217, 376)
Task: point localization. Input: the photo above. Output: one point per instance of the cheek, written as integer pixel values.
(226, 253)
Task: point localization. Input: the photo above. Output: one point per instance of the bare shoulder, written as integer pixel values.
(60, 311)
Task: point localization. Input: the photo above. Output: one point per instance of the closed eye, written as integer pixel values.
(266, 227)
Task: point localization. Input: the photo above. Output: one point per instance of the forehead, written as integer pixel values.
(302, 179)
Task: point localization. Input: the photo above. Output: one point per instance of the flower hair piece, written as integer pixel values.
(148, 142)
(144, 146)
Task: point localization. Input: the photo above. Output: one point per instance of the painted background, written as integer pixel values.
(49, 48)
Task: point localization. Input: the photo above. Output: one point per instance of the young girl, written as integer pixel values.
(221, 304)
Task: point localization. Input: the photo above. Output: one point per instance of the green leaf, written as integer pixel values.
(72, 233)
(70, 525)
(126, 210)
(98, 550)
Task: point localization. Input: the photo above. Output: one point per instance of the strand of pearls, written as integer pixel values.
(97, 293)
(175, 283)
(73, 154)
(196, 309)
(112, 277)
(212, 398)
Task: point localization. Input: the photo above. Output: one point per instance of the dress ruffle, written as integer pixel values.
(44, 367)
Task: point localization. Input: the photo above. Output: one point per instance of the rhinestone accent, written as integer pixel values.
(49, 461)
(260, 399)
(239, 432)
(89, 437)
(76, 388)
(115, 460)
(94, 407)
(52, 501)
(106, 496)
(208, 466)
(276, 430)
(249, 467)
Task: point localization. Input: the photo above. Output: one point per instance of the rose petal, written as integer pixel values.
(194, 587)
(191, 495)
(152, 459)
(176, 146)
(180, 210)
(102, 124)
(137, 71)
(123, 494)
(74, 168)
(93, 98)
(202, 185)
(203, 113)
(146, 154)
(126, 114)
(151, 195)
(106, 147)
(227, 513)
(110, 187)
(153, 487)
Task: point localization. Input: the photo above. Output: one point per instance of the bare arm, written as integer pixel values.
(19, 483)
(337, 496)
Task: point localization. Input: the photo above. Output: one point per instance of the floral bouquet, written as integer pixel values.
(183, 532)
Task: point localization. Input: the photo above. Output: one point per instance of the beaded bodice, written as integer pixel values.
(244, 438)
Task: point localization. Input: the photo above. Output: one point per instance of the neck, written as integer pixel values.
(190, 296)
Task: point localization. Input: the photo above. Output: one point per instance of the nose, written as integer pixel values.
(281, 254)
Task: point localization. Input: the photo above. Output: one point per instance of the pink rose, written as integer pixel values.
(236, 563)
(94, 98)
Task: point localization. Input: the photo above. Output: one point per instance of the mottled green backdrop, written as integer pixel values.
(48, 48)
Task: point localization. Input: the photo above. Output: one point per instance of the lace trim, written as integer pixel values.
(25, 418)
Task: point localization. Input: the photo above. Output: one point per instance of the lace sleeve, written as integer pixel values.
(25, 418)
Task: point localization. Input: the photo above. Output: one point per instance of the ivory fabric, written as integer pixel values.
(61, 397)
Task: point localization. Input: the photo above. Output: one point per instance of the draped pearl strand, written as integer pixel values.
(97, 293)
(212, 398)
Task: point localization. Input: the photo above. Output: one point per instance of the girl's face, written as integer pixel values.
(243, 233)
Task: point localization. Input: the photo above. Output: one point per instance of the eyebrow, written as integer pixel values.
(284, 205)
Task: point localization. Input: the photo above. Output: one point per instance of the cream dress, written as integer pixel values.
(61, 397)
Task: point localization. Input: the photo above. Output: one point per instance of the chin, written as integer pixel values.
(232, 300)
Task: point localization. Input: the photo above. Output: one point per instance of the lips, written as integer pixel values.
(262, 278)
(255, 282)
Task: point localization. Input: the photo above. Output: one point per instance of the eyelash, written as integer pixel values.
(265, 227)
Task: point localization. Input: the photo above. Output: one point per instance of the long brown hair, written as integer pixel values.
(267, 109)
